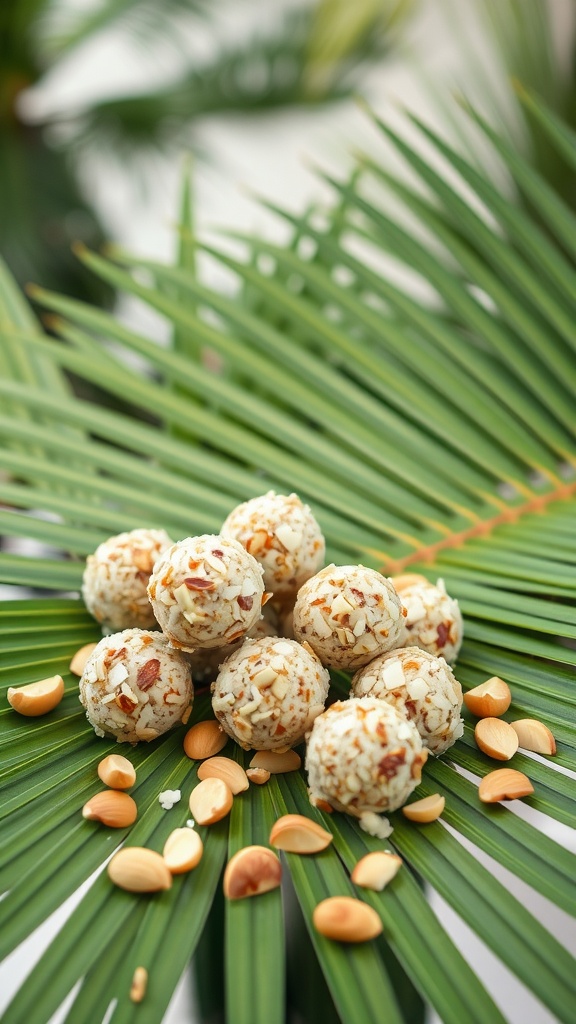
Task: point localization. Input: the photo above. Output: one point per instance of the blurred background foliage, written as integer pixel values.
(304, 53)
(313, 53)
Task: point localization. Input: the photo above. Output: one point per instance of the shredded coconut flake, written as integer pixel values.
(375, 825)
(169, 797)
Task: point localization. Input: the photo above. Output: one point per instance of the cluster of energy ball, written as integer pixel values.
(222, 603)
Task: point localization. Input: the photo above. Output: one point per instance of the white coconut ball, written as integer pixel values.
(363, 757)
(348, 614)
(283, 535)
(116, 577)
(421, 687)
(135, 686)
(433, 619)
(267, 695)
(206, 592)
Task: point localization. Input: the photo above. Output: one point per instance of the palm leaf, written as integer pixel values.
(435, 434)
(288, 65)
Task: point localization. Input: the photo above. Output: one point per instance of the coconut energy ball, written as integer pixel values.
(116, 576)
(421, 687)
(268, 693)
(349, 615)
(135, 686)
(283, 535)
(206, 592)
(433, 620)
(205, 664)
(363, 757)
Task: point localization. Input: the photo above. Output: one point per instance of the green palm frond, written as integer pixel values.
(263, 66)
(64, 28)
(436, 434)
(533, 45)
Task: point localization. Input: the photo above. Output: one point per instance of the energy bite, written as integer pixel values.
(283, 535)
(268, 693)
(135, 686)
(433, 619)
(363, 757)
(421, 687)
(206, 592)
(116, 576)
(349, 615)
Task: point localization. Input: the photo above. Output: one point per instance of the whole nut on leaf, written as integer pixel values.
(210, 801)
(346, 919)
(252, 871)
(112, 808)
(490, 699)
(38, 698)
(205, 739)
(137, 869)
(295, 833)
(226, 769)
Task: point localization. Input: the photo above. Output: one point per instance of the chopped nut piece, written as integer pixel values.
(428, 809)
(182, 850)
(297, 834)
(226, 769)
(346, 919)
(504, 784)
(252, 871)
(534, 735)
(117, 772)
(148, 674)
(112, 808)
(210, 801)
(375, 870)
(36, 699)
(80, 658)
(127, 702)
(137, 869)
(199, 583)
(322, 805)
(139, 985)
(204, 740)
(258, 775)
(496, 738)
(276, 764)
(489, 700)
